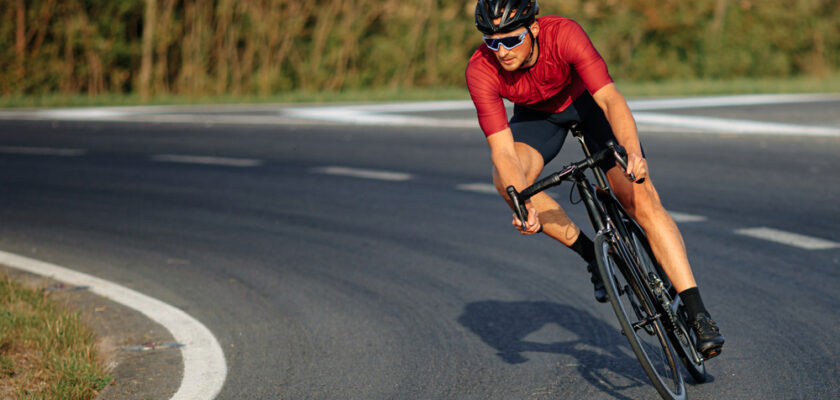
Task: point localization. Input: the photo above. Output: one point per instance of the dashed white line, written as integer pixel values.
(206, 160)
(788, 238)
(487, 188)
(683, 217)
(205, 368)
(42, 151)
(364, 173)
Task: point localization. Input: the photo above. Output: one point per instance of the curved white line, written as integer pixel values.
(204, 361)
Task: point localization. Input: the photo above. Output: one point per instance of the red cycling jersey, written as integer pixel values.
(567, 65)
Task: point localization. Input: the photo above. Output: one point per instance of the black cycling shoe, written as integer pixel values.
(597, 283)
(709, 339)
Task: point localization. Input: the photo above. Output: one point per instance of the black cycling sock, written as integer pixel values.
(693, 303)
(584, 247)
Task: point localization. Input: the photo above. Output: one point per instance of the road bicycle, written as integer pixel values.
(650, 312)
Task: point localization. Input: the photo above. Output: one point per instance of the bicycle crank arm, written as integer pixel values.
(647, 321)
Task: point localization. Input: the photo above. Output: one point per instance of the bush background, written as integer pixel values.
(266, 47)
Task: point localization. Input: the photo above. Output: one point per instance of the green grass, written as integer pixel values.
(58, 100)
(45, 351)
(630, 89)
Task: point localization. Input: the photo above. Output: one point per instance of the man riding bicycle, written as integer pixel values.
(552, 73)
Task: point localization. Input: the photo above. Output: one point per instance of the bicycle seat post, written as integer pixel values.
(600, 176)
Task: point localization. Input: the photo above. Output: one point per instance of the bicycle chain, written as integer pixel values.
(658, 288)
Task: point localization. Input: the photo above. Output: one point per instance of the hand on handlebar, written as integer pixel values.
(532, 225)
(636, 168)
(634, 165)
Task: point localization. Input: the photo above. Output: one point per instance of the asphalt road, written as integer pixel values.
(321, 285)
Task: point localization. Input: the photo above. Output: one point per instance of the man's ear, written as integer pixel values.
(535, 28)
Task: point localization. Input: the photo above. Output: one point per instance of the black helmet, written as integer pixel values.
(488, 10)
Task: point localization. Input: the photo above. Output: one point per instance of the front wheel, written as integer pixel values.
(638, 318)
(680, 334)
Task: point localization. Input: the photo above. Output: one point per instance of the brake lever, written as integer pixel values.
(519, 208)
(621, 157)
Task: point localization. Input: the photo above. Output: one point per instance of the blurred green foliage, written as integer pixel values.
(265, 47)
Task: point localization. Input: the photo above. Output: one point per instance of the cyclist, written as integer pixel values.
(552, 73)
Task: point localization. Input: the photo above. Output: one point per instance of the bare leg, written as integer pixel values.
(643, 204)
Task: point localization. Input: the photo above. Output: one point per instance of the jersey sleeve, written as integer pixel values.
(578, 50)
(483, 84)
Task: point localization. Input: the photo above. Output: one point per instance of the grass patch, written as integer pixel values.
(59, 100)
(630, 89)
(45, 352)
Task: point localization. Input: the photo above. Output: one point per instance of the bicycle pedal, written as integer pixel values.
(712, 353)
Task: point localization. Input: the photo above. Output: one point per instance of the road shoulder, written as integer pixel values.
(137, 352)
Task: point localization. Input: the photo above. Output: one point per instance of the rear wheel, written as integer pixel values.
(639, 321)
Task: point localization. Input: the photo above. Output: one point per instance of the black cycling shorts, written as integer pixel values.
(546, 132)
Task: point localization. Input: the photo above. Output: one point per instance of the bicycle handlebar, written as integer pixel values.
(518, 198)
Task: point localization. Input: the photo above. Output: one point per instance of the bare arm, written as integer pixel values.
(624, 127)
(511, 172)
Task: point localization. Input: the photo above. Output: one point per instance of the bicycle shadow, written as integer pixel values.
(505, 325)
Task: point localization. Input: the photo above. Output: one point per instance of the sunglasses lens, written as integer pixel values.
(509, 42)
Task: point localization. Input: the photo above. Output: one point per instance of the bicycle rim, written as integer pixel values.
(681, 337)
(639, 324)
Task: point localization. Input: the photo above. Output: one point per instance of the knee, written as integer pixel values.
(643, 205)
(646, 208)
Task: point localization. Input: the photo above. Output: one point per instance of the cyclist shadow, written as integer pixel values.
(505, 325)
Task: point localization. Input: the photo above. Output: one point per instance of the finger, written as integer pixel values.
(532, 216)
(641, 169)
(632, 165)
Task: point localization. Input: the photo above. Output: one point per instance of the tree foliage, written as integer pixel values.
(207, 47)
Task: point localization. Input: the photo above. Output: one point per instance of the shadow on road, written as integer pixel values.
(505, 325)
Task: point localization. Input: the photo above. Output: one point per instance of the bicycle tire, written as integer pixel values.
(682, 338)
(633, 305)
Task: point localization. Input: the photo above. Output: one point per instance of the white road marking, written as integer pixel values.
(487, 188)
(682, 217)
(82, 113)
(728, 125)
(729, 101)
(354, 115)
(42, 151)
(205, 368)
(364, 173)
(417, 106)
(788, 238)
(392, 114)
(206, 160)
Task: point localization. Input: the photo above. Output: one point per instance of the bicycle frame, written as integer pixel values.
(613, 225)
